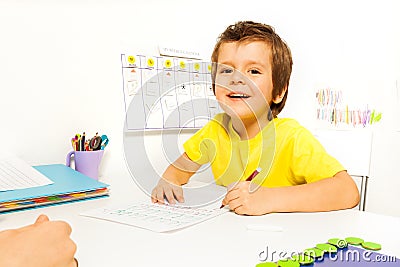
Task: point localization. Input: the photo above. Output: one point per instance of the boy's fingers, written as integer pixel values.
(154, 196)
(234, 204)
(159, 196)
(180, 199)
(233, 194)
(170, 196)
(224, 202)
(178, 192)
(168, 193)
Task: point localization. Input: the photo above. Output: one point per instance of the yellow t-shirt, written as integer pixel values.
(287, 153)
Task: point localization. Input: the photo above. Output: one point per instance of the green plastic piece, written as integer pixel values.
(288, 263)
(266, 264)
(327, 248)
(316, 253)
(340, 243)
(303, 259)
(371, 246)
(354, 240)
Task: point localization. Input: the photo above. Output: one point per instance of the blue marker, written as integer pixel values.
(104, 141)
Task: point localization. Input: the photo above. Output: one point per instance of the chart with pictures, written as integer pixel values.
(167, 92)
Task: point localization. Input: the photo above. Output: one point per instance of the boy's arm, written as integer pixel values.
(180, 171)
(338, 192)
(169, 186)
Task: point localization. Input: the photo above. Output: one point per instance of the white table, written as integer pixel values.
(221, 241)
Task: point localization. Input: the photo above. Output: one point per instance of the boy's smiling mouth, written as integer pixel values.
(238, 95)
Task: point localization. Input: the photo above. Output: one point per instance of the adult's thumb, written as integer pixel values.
(42, 218)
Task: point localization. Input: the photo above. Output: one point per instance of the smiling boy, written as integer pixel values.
(251, 71)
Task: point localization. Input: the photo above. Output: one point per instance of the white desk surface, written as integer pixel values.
(221, 241)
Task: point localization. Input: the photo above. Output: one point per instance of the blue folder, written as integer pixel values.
(69, 185)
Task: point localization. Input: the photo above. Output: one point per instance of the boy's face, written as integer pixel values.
(243, 82)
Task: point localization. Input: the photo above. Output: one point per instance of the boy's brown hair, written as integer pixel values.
(281, 57)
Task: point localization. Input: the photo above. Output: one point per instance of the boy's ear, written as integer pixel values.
(279, 97)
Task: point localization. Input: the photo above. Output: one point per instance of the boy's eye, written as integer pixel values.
(255, 72)
(226, 70)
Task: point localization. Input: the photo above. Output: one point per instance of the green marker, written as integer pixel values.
(378, 117)
(371, 119)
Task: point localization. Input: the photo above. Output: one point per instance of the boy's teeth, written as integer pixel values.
(238, 95)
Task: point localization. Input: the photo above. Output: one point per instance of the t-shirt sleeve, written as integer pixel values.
(200, 148)
(196, 148)
(311, 162)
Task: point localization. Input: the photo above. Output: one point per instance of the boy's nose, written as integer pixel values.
(237, 77)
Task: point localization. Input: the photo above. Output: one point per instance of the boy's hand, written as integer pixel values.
(169, 186)
(166, 190)
(245, 201)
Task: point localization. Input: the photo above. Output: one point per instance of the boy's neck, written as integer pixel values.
(249, 128)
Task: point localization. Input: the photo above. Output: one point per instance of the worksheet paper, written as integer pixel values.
(17, 174)
(164, 218)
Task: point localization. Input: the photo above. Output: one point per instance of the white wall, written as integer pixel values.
(60, 67)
